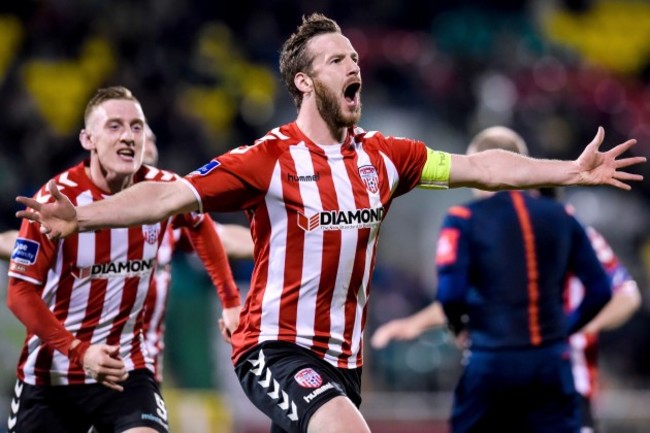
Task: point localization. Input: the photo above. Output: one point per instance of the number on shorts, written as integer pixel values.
(162, 409)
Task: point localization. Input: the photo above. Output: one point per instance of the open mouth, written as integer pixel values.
(126, 153)
(350, 93)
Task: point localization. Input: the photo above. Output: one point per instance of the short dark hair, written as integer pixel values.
(294, 57)
(106, 94)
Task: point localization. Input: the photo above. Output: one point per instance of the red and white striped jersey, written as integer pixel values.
(315, 214)
(204, 240)
(156, 302)
(584, 347)
(94, 283)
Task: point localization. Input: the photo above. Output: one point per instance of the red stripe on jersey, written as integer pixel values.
(531, 266)
(361, 201)
(331, 238)
(95, 297)
(251, 314)
(293, 259)
(129, 296)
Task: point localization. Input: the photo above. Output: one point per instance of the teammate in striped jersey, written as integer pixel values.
(81, 298)
(626, 300)
(316, 191)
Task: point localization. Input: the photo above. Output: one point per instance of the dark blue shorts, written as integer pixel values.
(74, 408)
(515, 391)
(288, 383)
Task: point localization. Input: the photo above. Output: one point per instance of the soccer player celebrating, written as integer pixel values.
(316, 191)
(81, 298)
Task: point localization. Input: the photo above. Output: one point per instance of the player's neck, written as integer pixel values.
(108, 182)
(312, 124)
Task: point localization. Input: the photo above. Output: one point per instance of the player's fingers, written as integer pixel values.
(112, 385)
(29, 202)
(112, 363)
(380, 339)
(114, 375)
(622, 148)
(598, 139)
(225, 332)
(623, 175)
(54, 190)
(626, 162)
(618, 184)
(30, 214)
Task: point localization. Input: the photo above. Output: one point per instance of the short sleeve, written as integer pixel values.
(236, 180)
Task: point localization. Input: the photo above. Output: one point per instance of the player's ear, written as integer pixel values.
(303, 82)
(86, 140)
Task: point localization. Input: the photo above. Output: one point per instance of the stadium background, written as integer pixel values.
(206, 74)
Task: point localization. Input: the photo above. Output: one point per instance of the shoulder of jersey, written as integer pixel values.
(69, 182)
(159, 175)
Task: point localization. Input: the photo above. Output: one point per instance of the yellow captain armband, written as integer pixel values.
(436, 170)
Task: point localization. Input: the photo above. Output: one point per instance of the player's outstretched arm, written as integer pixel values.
(143, 203)
(499, 169)
(409, 327)
(624, 303)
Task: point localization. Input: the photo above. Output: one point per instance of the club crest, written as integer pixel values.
(369, 176)
(308, 378)
(150, 234)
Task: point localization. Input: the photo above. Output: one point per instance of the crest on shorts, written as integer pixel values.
(150, 234)
(308, 378)
(369, 176)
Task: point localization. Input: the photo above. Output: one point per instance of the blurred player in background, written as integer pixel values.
(502, 263)
(81, 299)
(316, 191)
(625, 301)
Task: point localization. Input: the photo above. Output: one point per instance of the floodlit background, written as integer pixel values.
(206, 74)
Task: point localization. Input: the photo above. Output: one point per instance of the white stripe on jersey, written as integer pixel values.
(312, 257)
(345, 196)
(277, 248)
(579, 364)
(375, 201)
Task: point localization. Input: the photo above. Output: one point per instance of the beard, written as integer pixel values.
(330, 110)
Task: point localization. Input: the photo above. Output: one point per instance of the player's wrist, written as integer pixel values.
(77, 352)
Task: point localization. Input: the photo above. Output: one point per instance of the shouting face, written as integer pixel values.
(336, 79)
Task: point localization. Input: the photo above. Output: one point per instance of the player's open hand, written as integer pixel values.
(604, 168)
(229, 321)
(57, 218)
(104, 364)
(398, 329)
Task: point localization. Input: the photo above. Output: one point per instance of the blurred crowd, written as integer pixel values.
(206, 74)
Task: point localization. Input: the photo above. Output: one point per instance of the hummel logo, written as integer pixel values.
(15, 405)
(11, 422)
(303, 178)
(276, 393)
(18, 389)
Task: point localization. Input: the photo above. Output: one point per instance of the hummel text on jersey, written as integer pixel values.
(341, 219)
(132, 268)
(303, 178)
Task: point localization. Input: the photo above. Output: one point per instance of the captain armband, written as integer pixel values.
(436, 170)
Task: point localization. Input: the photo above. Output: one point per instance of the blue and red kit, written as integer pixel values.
(502, 266)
